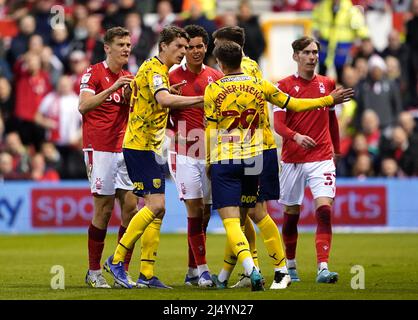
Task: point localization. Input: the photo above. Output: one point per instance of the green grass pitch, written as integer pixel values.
(389, 260)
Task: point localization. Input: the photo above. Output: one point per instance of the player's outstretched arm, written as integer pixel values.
(89, 101)
(171, 101)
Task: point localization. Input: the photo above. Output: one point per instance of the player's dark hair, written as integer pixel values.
(235, 34)
(115, 32)
(169, 34)
(194, 31)
(229, 54)
(303, 42)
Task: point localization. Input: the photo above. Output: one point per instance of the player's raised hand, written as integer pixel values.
(341, 95)
(122, 81)
(176, 88)
(305, 142)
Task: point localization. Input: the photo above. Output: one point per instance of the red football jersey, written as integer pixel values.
(314, 123)
(104, 127)
(185, 120)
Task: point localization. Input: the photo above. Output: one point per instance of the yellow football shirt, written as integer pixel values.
(251, 67)
(147, 119)
(235, 115)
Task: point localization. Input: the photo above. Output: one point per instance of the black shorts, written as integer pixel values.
(269, 185)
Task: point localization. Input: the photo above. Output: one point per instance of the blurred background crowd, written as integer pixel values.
(41, 65)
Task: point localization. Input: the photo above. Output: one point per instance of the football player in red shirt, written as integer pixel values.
(104, 104)
(310, 145)
(188, 162)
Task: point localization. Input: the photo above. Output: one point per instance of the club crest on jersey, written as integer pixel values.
(107, 79)
(297, 88)
(321, 87)
(210, 79)
(85, 78)
(99, 183)
(156, 183)
(157, 81)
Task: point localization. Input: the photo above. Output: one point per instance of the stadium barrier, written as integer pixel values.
(371, 205)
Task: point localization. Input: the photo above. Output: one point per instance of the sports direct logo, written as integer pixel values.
(65, 208)
(353, 205)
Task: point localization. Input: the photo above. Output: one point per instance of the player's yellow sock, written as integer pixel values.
(251, 237)
(135, 229)
(272, 241)
(230, 260)
(149, 246)
(236, 238)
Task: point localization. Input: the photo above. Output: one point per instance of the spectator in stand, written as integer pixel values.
(79, 22)
(39, 170)
(6, 103)
(346, 164)
(396, 49)
(6, 167)
(121, 10)
(52, 156)
(42, 13)
(337, 24)
(389, 169)
(52, 65)
(13, 145)
(361, 67)
(198, 17)
(370, 129)
(142, 40)
(254, 39)
(404, 151)
(412, 43)
(379, 94)
(92, 44)
(165, 16)
(60, 43)
(78, 64)
(58, 114)
(32, 84)
(366, 49)
(408, 123)
(5, 70)
(229, 19)
(363, 167)
(19, 43)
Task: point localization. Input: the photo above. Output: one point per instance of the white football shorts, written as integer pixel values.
(106, 172)
(190, 177)
(319, 176)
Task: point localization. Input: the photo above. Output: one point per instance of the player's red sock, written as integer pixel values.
(192, 261)
(96, 239)
(323, 233)
(290, 234)
(128, 256)
(197, 240)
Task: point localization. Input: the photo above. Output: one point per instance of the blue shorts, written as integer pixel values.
(269, 185)
(146, 171)
(235, 184)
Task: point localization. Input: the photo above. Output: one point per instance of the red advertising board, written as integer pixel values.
(65, 208)
(353, 205)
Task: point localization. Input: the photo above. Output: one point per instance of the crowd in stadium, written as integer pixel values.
(41, 66)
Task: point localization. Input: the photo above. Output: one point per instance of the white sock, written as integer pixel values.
(202, 268)
(248, 264)
(223, 275)
(291, 263)
(192, 272)
(281, 269)
(96, 272)
(322, 265)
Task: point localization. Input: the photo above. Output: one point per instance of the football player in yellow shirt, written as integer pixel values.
(269, 178)
(235, 112)
(142, 149)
